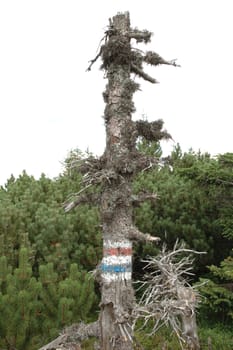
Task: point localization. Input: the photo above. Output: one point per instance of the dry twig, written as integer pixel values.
(168, 298)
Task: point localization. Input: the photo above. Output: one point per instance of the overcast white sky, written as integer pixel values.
(50, 105)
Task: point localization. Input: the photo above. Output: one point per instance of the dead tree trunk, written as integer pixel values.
(117, 296)
(122, 161)
(189, 324)
(114, 172)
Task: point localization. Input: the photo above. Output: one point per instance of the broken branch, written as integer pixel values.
(138, 199)
(135, 69)
(88, 198)
(168, 299)
(134, 234)
(140, 36)
(73, 335)
(94, 59)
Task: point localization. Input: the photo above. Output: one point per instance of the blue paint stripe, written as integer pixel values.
(116, 268)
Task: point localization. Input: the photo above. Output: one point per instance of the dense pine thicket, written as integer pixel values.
(46, 255)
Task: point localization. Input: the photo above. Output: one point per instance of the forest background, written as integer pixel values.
(46, 255)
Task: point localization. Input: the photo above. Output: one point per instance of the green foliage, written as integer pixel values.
(31, 213)
(225, 271)
(194, 204)
(45, 254)
(19, 303)
(164, 338)
(150, 148)
(214, 175)
(217, 302)
(217, 296)
(44, 258)
(35, 310)
(214, 338)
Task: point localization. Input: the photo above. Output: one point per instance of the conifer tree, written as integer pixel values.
(33, 310)
(33, 208)
(19, 303)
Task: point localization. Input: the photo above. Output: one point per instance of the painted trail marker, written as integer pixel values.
(117, 260)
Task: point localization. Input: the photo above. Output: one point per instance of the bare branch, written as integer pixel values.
(139, 162)
(73, 335)
(141, 197)
(135, 69)
(99, 177)
(134, 234)
(168, 299)
(94, 59)
(224, 182)
(86, 165)
(89, 198)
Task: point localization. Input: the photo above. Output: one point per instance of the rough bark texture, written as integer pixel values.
(189, 324)
(117, 295)
(120, 162)
(122, 159)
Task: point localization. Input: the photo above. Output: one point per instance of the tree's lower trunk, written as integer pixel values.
(189, 325)
(117, 295)
(189, 328)
(116, 332)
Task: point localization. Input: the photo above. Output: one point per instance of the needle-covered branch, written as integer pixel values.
(152, 131)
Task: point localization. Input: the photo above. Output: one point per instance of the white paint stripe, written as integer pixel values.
(117, 260)
(116, 244)
(109, 277)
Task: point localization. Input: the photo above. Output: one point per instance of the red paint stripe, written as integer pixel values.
(118, 251)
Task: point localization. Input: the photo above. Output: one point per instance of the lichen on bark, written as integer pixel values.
(122, 157)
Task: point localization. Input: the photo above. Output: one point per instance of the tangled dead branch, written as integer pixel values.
(71, 337)
(152, 131)
(119, 52)
(168, 299)
(78, 199)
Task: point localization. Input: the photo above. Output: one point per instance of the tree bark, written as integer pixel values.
(117, 299)
(123, 160)
(189, 324)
